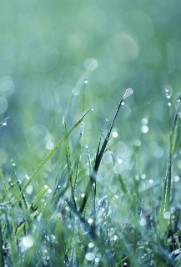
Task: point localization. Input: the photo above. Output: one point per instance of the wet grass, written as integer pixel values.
(91, 215)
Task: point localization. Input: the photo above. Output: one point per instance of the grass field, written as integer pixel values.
(89, 167)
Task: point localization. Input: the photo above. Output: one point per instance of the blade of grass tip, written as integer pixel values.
(50, 154)
(69, 164)
(100, 153)
(165, 202)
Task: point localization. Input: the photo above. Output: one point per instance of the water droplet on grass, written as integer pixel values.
(91, 245)
(166, 215)
(169, 104)
(144, 129)
(82, 195)
(137, 142)
(115, 134)
(90, 256)
(144, 121)
(127, 93)
(90, 221)
(4, 123)
(29, 189)
(27, 241)
(85, 81)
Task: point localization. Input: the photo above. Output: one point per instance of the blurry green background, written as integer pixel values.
(49, 48)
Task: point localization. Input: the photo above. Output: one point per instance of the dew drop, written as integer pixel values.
(144, 129)
(27, 241)
(143, 176)
(115, 134)
(123, 103)
(91, 245)
(142, 221)
(85, 81)
(137, 142)
(90, 221)
(144, 121)
(82, 195)
(97, 260)
(90, 256)
(49, 190)
(169, 104)
(127, 93)
(166, 215)
(4, 123)
(176, 178)
(29, 189)
(151, 181)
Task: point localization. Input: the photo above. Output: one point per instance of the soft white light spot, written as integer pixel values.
(115, 134)
(137, 142)
(115, 237)
(142, 221)
(166, 215)
(29, 189)
(90, 256)
(91, 245)
(120, 161)
(144, 129)
(82, 195)
(49, 145)
(143, 176)
(27, 241)
(97, 260)
(176, 178)
(90, 221)
(169, 104)
(144, 121)
(151, 181)
(49, 190)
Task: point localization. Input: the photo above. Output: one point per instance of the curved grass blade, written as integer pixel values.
(165, 201)
(50, 154)
(100, 151)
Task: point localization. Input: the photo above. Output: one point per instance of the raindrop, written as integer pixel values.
(144, 121)
(142, 221)
(176, 178)
(120, 161)
(115, 237)
(91, 245)
(169, 104)
(143, 176)
(29, 189)
(49, 190)
(90, 256)
(127, 93)
(90, 221)
(137, 142)
(92, 109)
(4, 123)
(85, 81)
(27, 241)
(82, 195)
(115, 134)
(144, 129)
(97, 260)
(166, 215)
(123, 103)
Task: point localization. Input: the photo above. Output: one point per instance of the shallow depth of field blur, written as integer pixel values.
(59, 58)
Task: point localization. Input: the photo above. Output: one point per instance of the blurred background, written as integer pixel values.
(58, 58)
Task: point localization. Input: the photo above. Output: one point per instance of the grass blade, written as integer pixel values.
(50, 154)
(165, 201)
(100, 151)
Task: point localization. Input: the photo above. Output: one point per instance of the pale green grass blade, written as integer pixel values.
(50, 154)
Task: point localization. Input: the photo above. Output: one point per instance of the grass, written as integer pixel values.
(91, 215)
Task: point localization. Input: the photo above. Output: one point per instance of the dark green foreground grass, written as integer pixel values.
(91, 216)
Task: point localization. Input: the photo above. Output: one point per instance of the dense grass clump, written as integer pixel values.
(88, 212)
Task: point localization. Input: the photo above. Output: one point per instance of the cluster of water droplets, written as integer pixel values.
(168, 96)
(144, 126)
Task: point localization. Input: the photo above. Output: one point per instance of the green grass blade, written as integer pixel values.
(165, 201)
(50, 154)
(100, 151)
